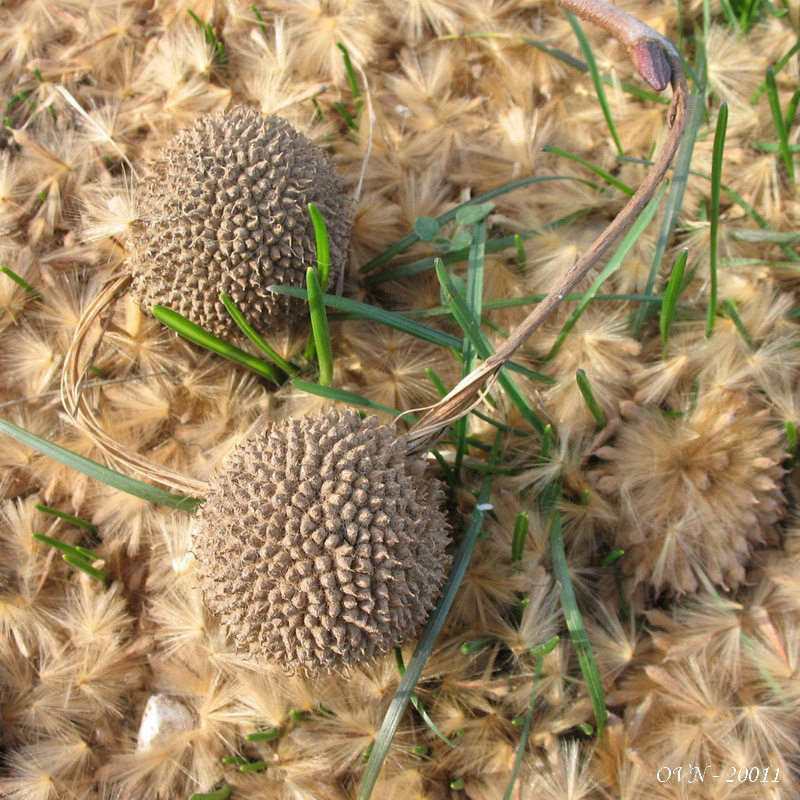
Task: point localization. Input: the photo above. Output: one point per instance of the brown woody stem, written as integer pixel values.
(657, 59)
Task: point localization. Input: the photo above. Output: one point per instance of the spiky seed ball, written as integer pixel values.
(321, 544)
(226, 210)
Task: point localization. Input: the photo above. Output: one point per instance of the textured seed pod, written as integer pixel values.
(321, 544)
(226, 210)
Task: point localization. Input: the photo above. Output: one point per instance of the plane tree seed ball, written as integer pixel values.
(321, 544)
(226, 210)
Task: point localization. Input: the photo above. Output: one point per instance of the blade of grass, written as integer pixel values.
(79, 562)
(264, 736)
(21, 282)
(319, 328)
(677, 190)
(194, 333)
(63, 547)
(520, 534)
(606, 176)
(716, 181)
(53, 512)
(671, 294)
(323, 245)
(614, 263)
(575, 626)
(252, 334)
(595, 73)
(417, 703)
(779, 123)
(412, 238)
(428, 638)
(733, 313)
(351, 78)
(539, 653)
(472, 329)
(97, 471)
(588, 395)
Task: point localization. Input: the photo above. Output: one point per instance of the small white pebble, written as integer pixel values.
(560, 296)
(403, 111)
(162, 715)
(484, 506)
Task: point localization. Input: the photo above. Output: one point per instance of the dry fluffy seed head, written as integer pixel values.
(320, 544)
(226, 210)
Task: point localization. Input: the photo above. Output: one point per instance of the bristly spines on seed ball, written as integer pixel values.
(321, 544)
(226, 210)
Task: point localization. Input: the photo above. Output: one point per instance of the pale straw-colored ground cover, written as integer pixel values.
(687, 468)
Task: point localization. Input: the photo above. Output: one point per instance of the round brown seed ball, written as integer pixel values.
(226, 210)
(321, 545)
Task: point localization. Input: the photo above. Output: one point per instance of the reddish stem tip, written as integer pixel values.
(650, 60)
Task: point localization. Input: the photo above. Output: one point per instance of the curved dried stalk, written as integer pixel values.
(658, 62)
(80, 409)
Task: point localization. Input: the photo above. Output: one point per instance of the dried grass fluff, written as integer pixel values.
(321, 545)
(226, 210)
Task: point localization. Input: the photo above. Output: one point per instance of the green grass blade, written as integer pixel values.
(677, 190)
(606, 176)
(319, 327)
(780, 125)
(345, 396)
(447, 216)
(97, 471)
(53, 512)
(264, 736)
(252, 334)
(716, 182)
(194, 333)
(351, 77)
(588, 395)
(541, 651)
(575, 626)
(595, 73)
(520, 534)
(21, 282)
(79, 562)
(671, 295)
(428, 638)
(614, 263)
(733, 313)
(417, 703)
(63, 547)
(473, 331)
(323, 244)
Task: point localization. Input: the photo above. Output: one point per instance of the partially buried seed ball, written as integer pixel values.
(226, 210)
(321, 544)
